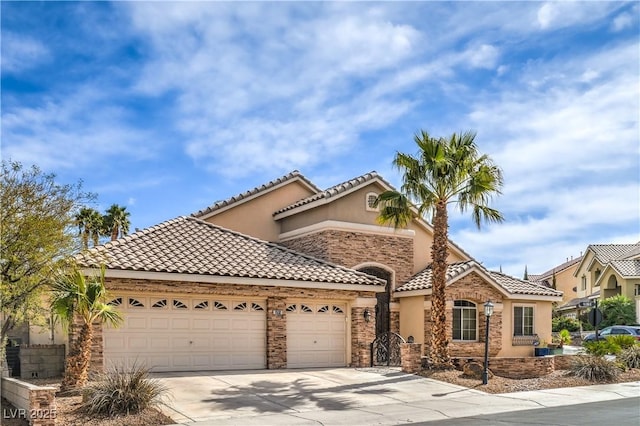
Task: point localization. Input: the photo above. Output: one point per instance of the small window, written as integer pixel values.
(291, 308)
(202, 305)
(219, 306)
(371, 201)
(583, 283)
(115, 302)
(337, 310)
(256, 308)
(523, 321)
(135, 303)
(306, 309)
(464, 320)
(160, 304)
(324, 309)
(178, 304)
(240, 307)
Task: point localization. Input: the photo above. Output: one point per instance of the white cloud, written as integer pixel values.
(20, 52)
(483, 56)
(622, 21)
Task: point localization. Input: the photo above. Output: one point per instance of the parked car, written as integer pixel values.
(614, 330)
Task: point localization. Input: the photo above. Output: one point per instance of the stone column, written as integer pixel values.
(276, 333)
(411, 357)
(362, 335)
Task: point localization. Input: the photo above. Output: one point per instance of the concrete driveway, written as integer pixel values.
(335, 396)
(350, 396)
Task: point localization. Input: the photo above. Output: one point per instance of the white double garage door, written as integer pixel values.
(168, 333)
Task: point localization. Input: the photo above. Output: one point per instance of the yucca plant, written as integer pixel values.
(594, 368)
(119, 391)
(623, 340)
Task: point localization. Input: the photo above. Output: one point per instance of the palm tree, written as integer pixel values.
(444, 171)
(80, 302)
(82, 220)
(116, 221)
(95, 225)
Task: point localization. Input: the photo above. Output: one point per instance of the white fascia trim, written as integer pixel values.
(217, 279)
(326, 200)
(256, 195)
(337, 225)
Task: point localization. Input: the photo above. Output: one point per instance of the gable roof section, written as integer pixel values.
(605, 253)
(626, 268)
(223, 205)
(421, 282)
(337, 191)
(330, 194)
(192, 247)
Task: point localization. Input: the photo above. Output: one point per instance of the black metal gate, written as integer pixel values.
(385, 349)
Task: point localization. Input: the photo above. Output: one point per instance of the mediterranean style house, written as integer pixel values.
(287, 275)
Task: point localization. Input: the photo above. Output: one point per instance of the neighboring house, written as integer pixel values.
(560, 278)
(287, 275)
(607, 270)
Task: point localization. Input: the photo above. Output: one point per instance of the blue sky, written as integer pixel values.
(167, 107)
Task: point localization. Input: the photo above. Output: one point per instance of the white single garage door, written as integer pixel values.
(316, 335)
(188, 333)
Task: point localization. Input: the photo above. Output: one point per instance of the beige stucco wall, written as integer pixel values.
(42, 335)
(255, 217)
(566, 282)
(412, 318)
(542, 326)
(590, 275)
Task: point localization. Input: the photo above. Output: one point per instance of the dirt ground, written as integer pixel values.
(68, 413)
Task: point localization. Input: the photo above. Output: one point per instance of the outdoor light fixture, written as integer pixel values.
(277, 313)
(367, 315)
(488, 311)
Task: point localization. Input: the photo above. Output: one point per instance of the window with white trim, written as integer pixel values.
(465, 320)
(583, 283)
(523, 320)
(370, 200)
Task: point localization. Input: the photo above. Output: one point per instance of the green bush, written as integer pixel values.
(602, 348)
(623, 340)
(120, 392)
(630, 357)
(564, 323)
(617, 310)
(594, 368)
(564, 337)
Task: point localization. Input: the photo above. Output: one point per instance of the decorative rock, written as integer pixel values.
(474, 370)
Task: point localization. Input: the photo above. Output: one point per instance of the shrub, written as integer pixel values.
(617, 309)
(630, 357)
(564, 323)
(119, 392)
(594, 368)
(564, 337)
(602, 348)
(623, 340)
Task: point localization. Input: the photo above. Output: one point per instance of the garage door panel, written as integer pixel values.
(168, 338)
(316, 335)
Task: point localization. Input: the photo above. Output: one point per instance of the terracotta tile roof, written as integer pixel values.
(333, 191)
(422, 280)
(556, 269)
(191, 246)
(627, 268)
(224, 203)
(608, 252)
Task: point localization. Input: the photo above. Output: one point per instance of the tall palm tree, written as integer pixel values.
(82, 221)
(96, 226)
(116, 221)
(80, 302)
(444, 171)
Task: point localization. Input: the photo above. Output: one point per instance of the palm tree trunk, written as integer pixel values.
(439, 352)
(114, 233)
(76, 369)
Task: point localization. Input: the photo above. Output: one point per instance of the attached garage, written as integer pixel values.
(316, 334)
(184, 334)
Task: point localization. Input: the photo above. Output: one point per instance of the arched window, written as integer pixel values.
(465, 321)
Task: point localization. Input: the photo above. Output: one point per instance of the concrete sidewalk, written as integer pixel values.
(350, 397)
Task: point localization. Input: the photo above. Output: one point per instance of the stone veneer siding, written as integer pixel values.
(516, 367)
(394, 322)
(38, 402)
(362, 333)
(474, 289)
(411, 357)
(349, 248)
